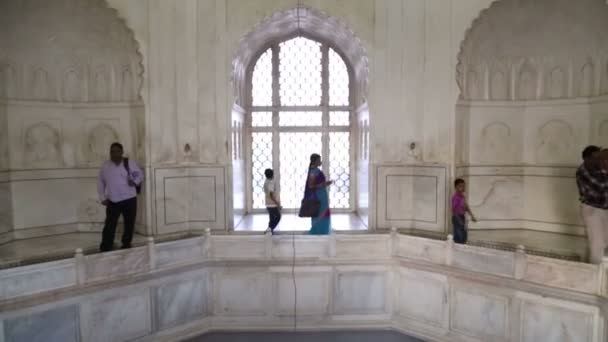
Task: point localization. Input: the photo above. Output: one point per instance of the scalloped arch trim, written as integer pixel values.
(307, 21)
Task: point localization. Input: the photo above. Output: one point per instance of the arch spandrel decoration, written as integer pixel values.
(68, 51)
(307, 22)
(511, 32)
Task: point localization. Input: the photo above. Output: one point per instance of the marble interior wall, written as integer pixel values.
(414, 49)
(239, 177)
(190, 94)
(362, 163)
(68, 89)
(6, 213)
(528, 106)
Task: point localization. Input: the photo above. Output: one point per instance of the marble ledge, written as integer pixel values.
(517, 170)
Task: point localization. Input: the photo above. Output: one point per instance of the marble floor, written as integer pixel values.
(329, 336)
(291, 222)
(553, 245)
(46, 248)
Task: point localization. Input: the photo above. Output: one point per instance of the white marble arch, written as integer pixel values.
(307, 21)
(58, 77)
(318, 25)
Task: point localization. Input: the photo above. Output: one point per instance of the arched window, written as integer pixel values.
(300, 103)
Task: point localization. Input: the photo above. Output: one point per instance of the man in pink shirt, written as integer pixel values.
(117, 186)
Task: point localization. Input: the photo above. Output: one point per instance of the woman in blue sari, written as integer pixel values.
(316, 186)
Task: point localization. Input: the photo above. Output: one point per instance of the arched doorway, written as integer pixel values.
(297, 90)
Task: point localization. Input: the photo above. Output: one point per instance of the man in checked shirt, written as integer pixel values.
(592, 182)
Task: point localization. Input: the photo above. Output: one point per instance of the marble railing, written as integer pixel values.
(429, 288)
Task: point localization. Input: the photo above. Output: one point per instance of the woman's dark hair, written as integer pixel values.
(458, 181)
(314, 158)
(116, 144)
(268, 173)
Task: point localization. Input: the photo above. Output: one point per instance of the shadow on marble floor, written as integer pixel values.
(291, 222)
(329, 336)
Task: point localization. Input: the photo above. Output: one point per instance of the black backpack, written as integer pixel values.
(125, 162)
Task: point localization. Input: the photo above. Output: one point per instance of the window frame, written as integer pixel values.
(324, 108)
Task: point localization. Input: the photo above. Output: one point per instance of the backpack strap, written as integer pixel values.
(125, 162)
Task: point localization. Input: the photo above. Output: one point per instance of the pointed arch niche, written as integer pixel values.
(71, 74)
(534, 68)
(334, 42)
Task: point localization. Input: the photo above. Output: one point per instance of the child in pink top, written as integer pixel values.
(459, 209)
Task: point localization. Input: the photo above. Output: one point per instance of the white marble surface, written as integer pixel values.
(240, 292)
(180, 302)
(483, 260)
(116, 263)
(411, 196)
(313, 291)
(479, 313)
(539, 198)
(435, 300)
(120, 316)
(53, 247)
(177, 252)
(189, 198)
(57, 324)
(554, 320)
(361, 291)
(39, 278)
(291, 222)
(422, 297)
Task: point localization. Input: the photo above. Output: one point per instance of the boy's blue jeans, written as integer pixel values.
(460, 228)
(274, 217)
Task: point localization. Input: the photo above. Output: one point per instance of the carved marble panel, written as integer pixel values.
(72, 86)
(42, 144)
(604, 73)
(527, 82)
(8, 81)
(503, 33)
(240, 292)
(499, 86)
(180, 302)
(190, 197)
(479, 313)
(586, 80)
(100, 135)
(100, 85)
(602, 132)
(360, 292)
(4, 139)
(497, 143)
(475, 84)
(556, 86)
(554, 323)
(100, 44)
(57, 324)
(313, 291)
(423, 297)
(118, 264)
(41, 88)
(555, 143)
(411, 197)
(496, 197)
(117, 316)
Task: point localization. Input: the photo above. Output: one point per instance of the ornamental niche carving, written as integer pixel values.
(539, 49)
(67, 51)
